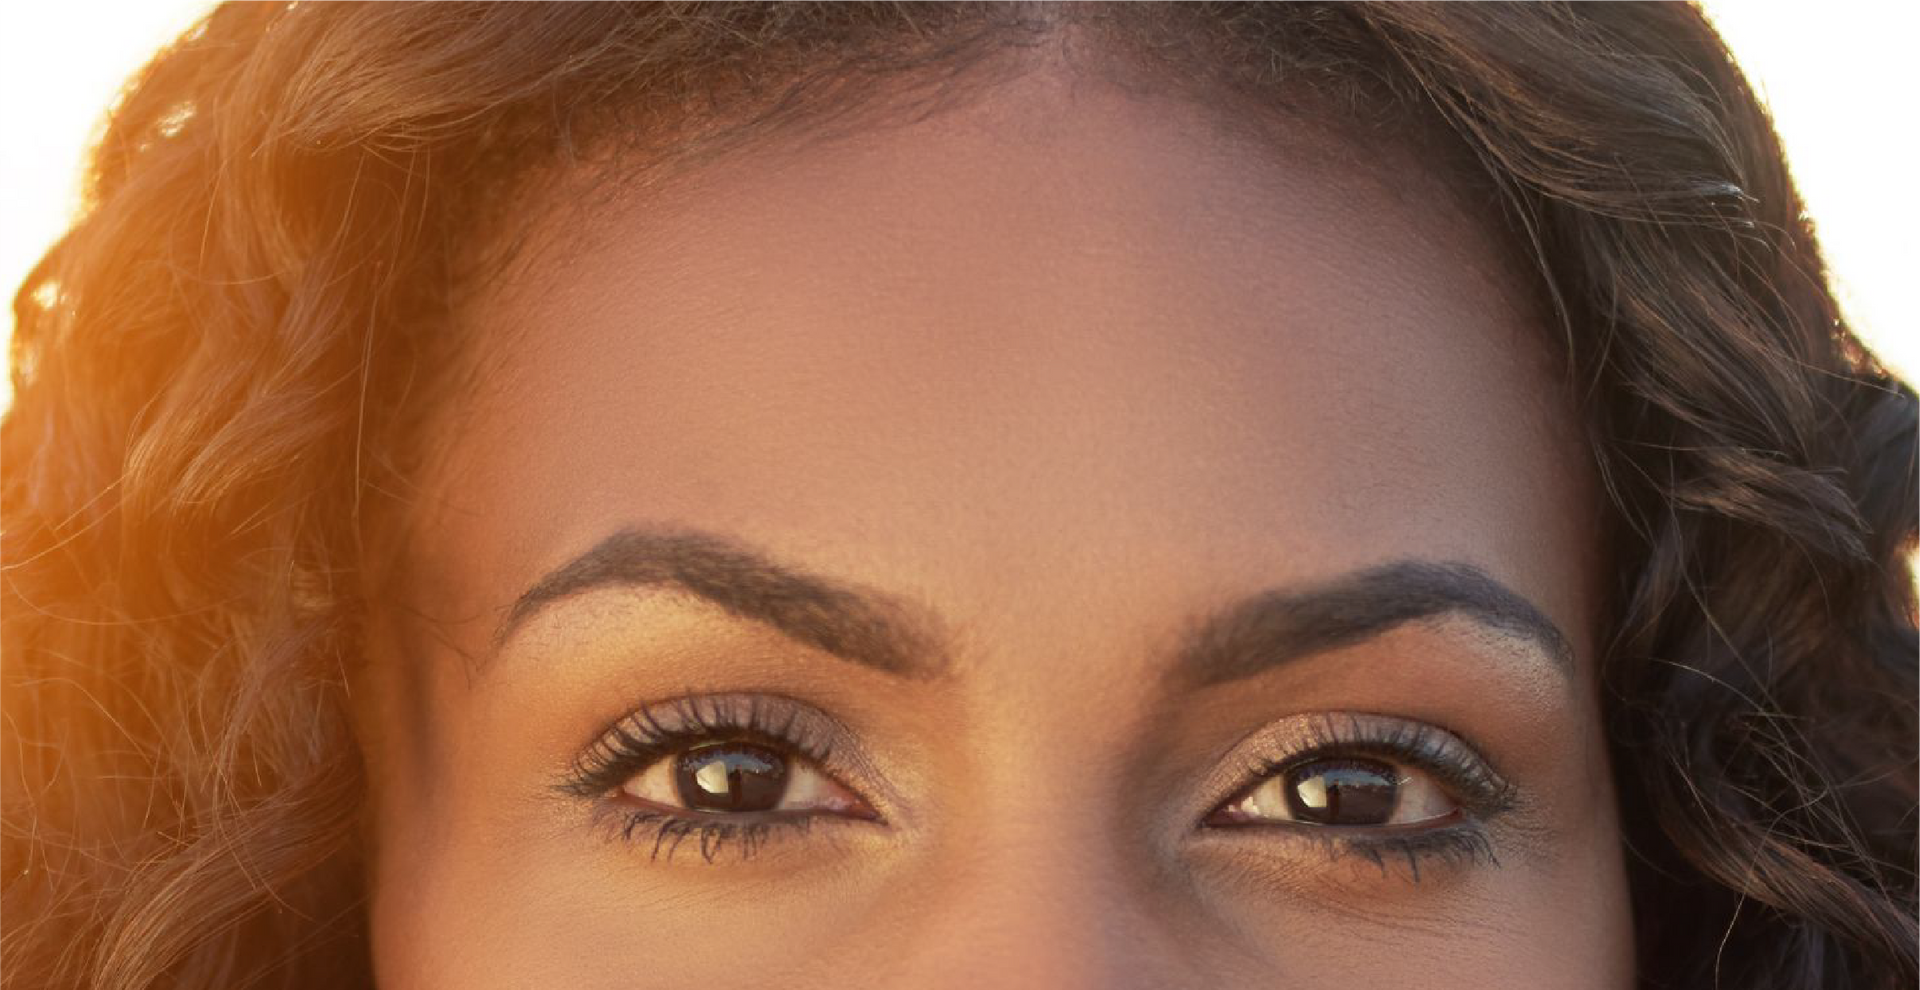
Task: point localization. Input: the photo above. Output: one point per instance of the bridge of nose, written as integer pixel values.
(1023, 906)
(1054, 862)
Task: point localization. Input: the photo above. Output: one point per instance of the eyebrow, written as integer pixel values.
(856, 625)
(1274, 627)
(1255, 634)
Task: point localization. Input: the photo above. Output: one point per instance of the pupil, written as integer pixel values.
(1342, 792)
(730, 777)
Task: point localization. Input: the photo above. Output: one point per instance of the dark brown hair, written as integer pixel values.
(216, 367)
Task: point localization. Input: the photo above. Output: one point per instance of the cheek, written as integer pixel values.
(464, 898)
(427, 902)
(1556, 921)
(480, 909)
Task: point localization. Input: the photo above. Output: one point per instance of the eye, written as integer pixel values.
(1341, 791)
(741, 778)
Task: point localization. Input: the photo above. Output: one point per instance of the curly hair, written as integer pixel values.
(217, 366)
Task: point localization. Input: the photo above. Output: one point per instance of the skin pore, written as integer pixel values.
(1044, 472)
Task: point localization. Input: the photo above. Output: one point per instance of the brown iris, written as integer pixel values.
(1342, 792)
(730, 777)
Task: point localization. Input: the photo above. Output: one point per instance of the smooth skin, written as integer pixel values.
(1054, 373)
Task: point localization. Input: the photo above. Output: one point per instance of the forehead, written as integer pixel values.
(1063, 337)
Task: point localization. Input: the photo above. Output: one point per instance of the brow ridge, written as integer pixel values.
(1278, 626)
(850, 623)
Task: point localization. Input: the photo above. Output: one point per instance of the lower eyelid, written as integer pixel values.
(664, 834)
(669, 832)
(1411, 854)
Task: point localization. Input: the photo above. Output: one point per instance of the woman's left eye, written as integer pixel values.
(740, 778)
(1344, 792)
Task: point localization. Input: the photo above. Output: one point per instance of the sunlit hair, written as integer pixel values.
(216, 370)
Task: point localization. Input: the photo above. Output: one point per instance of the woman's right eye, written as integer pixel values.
(737, 778)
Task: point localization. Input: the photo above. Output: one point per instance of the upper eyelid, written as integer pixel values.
(812, 734)
(1262, 753)
(770, 715)
(1408, 748)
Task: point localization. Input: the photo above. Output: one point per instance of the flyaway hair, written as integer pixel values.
(219, 368)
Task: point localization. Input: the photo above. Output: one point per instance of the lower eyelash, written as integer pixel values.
(1452, 846)
(671, 831)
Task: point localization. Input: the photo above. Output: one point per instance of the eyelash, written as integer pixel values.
(1483, 794)
(656, 732)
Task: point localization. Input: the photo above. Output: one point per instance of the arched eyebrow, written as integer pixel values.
(855, 624)
(1273, 627)
(866, 627)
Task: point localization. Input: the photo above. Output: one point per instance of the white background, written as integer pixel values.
(1837, 75)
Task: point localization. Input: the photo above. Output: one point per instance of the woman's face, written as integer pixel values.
(1049, 544)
